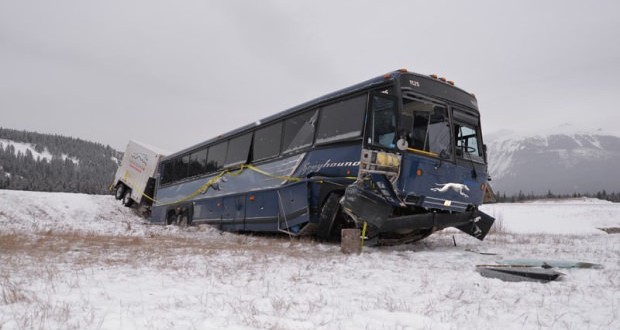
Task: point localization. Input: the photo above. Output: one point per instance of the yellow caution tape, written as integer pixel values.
(212, 181)
(363, 235)
(215, 179)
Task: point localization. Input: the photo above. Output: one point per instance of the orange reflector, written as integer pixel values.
(442, 79)
(419, 172)
(251, 198)
(451, 82)
(482, 186)
(403, 70)
(387, 76)
(434, 76)
(348, 172)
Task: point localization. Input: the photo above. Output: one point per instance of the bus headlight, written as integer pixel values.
(387, 159)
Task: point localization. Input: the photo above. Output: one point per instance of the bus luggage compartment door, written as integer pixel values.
(293, 205)
(233, 213)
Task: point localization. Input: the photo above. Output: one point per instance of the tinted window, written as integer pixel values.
(198, 162)
(238, 150)
(299, 131)
(465, 117)
(166, 172)
(342, 120)
(267, 141)
(216, 156)
(180, 168)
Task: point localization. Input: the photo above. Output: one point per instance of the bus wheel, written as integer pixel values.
(330, 210)
(120, 191)
(171, 219)
(183, 221)
(127, 201)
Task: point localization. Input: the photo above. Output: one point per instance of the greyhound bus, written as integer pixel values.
(400, 155)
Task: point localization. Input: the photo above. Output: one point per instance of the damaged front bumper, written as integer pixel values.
(366, 206)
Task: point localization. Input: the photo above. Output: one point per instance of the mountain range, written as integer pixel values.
(562, 160)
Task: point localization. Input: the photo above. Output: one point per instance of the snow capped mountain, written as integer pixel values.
(563, 160)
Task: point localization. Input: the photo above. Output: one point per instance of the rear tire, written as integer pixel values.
(127, 201)
(120, 191)
(183, 221)
(171, 219)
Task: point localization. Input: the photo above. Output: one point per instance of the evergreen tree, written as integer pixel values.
(75, 166)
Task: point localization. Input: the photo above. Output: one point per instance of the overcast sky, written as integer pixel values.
(175, 73)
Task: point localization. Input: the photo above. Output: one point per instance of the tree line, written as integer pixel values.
(75, 165)
(523, 197)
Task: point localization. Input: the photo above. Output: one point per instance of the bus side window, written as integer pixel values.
(198, 162)
(166, 172)
(342, 120)
(238, 150)
(216, 156)
(181, 165)
(299, 131)
(267, 141)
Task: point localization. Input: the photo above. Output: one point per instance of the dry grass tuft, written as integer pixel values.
(498, 226)
(11, 293)
(162, 250)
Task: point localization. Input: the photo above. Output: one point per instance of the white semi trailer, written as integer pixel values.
(134, 181)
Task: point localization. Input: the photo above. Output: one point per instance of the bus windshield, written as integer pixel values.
(426, 126)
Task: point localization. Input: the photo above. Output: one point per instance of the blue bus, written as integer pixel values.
(400, 155)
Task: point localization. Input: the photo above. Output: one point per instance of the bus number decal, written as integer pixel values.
(414, 83)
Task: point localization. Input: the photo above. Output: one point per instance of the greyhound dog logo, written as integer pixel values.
(458, 187)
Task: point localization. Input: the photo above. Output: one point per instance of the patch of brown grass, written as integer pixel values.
(82, 249)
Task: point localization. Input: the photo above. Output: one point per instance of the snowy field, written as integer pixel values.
(73, 261)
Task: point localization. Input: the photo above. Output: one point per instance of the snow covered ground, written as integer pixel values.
(73, 261)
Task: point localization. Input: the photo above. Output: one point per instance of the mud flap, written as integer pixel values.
(479, 225)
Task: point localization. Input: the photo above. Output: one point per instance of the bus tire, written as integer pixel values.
(127, 201)
(330, 210)
(171, 218)
(119, 192)
(183, 221)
